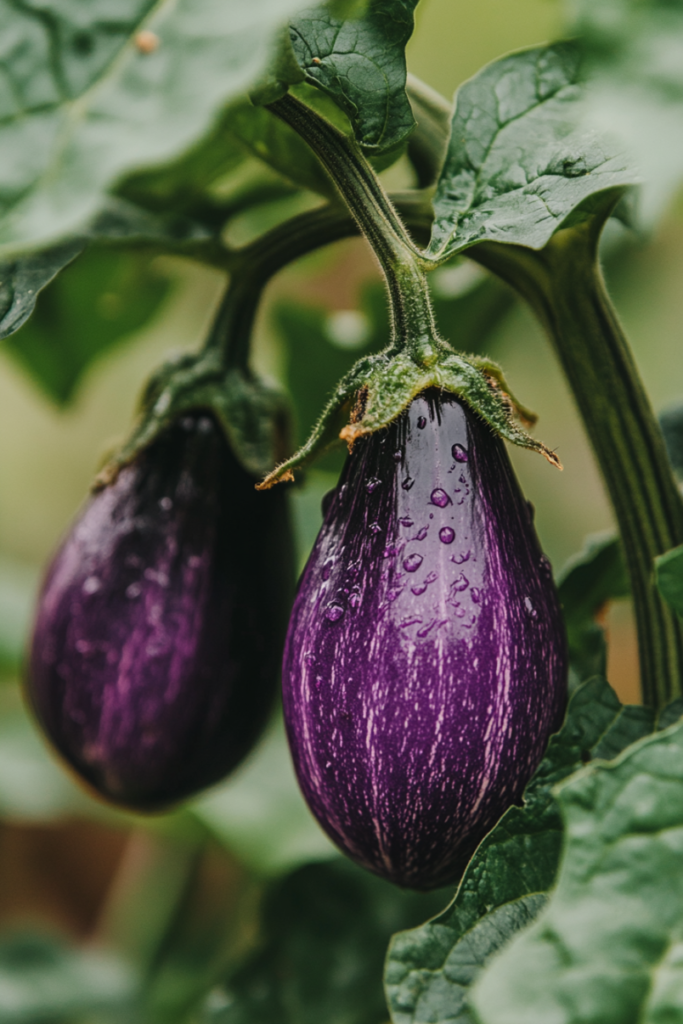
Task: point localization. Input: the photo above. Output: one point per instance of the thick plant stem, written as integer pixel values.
(401, 262)
(564, 286)
(259, 261)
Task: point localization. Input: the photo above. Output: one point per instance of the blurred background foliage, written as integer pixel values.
(96, 906)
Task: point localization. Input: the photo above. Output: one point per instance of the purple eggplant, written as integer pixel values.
(425, 665)
(155, 654)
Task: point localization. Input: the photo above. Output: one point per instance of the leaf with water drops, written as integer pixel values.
(521, 162)
(429, 970)
(608, 946)
(360, 62)
(94, 98)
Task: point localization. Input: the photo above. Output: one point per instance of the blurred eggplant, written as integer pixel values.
(154, 659)
(425, 665)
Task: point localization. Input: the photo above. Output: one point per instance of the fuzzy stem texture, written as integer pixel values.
(401, 262)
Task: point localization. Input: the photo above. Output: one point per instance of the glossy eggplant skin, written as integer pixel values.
(155, 654)
(425, 664)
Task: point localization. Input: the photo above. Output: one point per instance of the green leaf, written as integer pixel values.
(608, 947)
(43, 980)
(324, 936)
(360, 63)
(669, 576)
(520, 162)
(633, 59)
(589, 580)
(22, 279)
(260, 814)
(428, 970)
(95, 97)
(96, 301)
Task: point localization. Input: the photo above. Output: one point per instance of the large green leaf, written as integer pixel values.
(520, 163)
(96, 301)
(608, 948)
(634, 51)
(429, 969)
(324, 936)
(43, 980)
(360, 63)
(98, 91)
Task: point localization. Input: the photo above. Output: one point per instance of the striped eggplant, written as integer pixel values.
(156, 648)
(425, 664)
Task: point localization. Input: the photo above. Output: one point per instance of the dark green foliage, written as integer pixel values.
(97, 301)
(591, 579)
(360, 63)
(429, 970)
(607, 947)
(323, 941)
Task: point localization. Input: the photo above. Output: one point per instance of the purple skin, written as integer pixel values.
(425, 665)
(154, 658)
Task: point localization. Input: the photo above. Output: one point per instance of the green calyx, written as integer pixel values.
(379, 388)
(253, 414)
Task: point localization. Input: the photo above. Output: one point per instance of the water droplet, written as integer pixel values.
(342, 492)
(406, 521)
(375, 528)
(421, 422)
(421, 533)
(309, 658)
(372, 485)
(398, 455)
(475, 594)
(439, 498)
(464, 556)
(429, 627)
(407, 483)
(462, 583)
(413, 562)
(354, 599)
(419, 589)
(166, 504)
(530, 610)
(446, 535)
(392, 550)
(328, 565)
(92, 585)
(334, 612)
(318, 682)
(156, 576)
(413, 620)
(459, 453)
(134, 590)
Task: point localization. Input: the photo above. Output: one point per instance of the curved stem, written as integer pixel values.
(564, 286)
(258, 262)
(401, 262)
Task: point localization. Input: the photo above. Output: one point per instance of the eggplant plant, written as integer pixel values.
(511, 832)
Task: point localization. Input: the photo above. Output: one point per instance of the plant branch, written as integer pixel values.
(401, 261)
(564, 286)
(255, 264)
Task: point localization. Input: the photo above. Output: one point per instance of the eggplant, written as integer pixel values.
(155, 654)
(425, 664)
